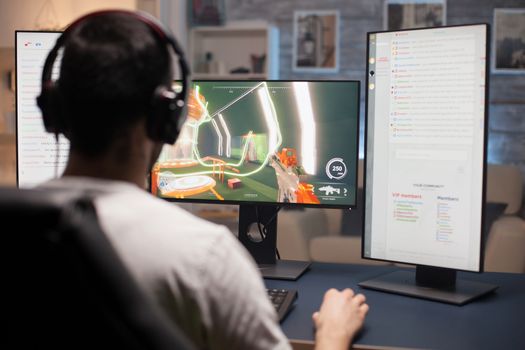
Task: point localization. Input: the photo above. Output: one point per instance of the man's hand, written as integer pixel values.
(342, 314)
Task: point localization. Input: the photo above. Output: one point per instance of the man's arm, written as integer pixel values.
(242, 316)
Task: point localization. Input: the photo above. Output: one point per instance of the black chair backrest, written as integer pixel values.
(66, 286)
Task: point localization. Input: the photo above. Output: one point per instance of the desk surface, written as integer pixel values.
(496, 321)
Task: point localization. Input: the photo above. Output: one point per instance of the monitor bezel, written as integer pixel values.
(282, 204)
(485, 143)
(17, 165)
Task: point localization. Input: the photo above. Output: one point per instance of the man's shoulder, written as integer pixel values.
(158, 212)
(118, 201)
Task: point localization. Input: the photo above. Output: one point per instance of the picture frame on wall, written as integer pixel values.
(206, 12)
(509, 41)
(408, 14)
(316, 41)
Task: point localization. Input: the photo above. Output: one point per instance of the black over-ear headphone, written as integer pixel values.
(162, 125)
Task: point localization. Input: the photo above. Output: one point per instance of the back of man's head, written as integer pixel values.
(111, 65)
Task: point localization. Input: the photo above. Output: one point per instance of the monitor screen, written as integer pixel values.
(275, 142)
(425, 146)
(37, 158)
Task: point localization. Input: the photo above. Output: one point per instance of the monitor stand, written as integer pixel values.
(258, 233)
(434, 283)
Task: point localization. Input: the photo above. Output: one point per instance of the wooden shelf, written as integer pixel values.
(231, 47)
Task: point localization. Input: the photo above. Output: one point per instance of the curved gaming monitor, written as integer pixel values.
(264, 145)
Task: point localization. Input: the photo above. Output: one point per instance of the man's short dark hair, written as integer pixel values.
(111, 65)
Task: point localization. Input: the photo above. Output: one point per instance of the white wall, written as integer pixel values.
(33, 14)
(173, 14)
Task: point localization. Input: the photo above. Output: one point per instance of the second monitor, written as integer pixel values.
(426, 133)
(262, 145)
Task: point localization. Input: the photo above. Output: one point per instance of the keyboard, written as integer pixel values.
(282, 300)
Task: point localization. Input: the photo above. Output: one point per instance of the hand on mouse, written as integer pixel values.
(341, 315)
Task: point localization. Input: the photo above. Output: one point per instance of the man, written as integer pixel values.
(196, 270)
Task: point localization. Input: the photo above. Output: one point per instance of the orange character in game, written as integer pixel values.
(195, 109)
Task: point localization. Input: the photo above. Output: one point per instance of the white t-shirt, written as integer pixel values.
(194, 269)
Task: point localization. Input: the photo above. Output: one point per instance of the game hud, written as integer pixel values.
(264, 141)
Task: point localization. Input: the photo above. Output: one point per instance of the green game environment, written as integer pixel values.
(272, 138)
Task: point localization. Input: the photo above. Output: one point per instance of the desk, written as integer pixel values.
(496, 321)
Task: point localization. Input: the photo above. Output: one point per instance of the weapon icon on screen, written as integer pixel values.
(329, 190)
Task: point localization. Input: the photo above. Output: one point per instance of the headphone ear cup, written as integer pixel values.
(163, 124)
(50, 105)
